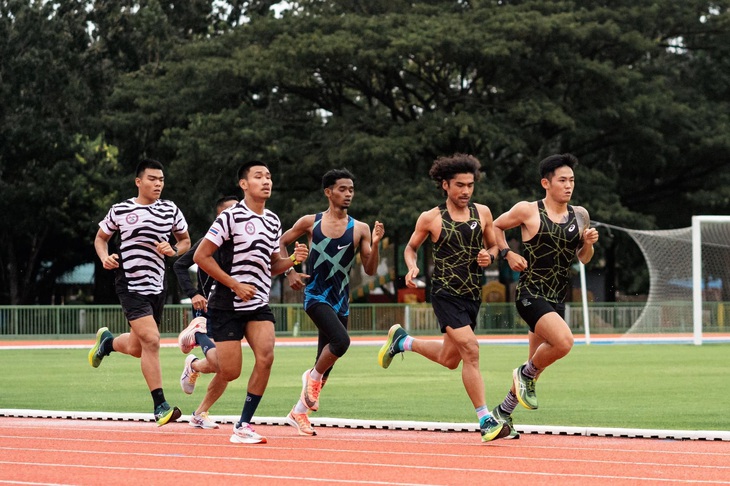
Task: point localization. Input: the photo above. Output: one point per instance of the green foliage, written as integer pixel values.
(637, 90)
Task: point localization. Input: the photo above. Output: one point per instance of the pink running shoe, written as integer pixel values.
(186, 339)
(300, 421)
(310, 391)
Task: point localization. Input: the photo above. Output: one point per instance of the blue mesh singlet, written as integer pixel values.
(329, 264)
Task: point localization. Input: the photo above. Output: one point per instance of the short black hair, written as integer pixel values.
(148, 164)
(550, 164)
(222, 200)
(332, 176)
(243, 170)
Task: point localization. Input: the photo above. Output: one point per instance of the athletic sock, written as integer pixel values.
(509, 404)
(530, 370)
(204, 342)
(407, 343)
(158, 396)
(482, 413)
(300, 407)
(315, 375)
(249, 408)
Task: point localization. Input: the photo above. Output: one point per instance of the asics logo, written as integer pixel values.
(473, 224)
(571, 228)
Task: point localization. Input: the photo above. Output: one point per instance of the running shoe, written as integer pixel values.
(186, 339)
(498, 414)
(95, 355)
(189, 375)
(244, 434)
(300, 421)
(201, 421)
(392, 345)
(524, 388)
(165, 414)
(493, 429)
(310, 391)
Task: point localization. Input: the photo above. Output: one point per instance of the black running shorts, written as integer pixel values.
(455, 312)
(136, 306)
(531, 310)
(230, 325)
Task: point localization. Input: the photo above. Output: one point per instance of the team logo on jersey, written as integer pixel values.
(132, 218)
(250, 228)
(571, 228)
(473, 224)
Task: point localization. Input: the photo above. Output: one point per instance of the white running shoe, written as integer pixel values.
(189, 375)
(246, 435)
(186, 339)
(201, 421)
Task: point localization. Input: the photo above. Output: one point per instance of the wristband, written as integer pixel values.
(294, 259)
(288, 271)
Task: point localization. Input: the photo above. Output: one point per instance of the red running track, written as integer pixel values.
(87, 452)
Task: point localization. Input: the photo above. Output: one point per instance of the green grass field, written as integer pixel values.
(678, 387)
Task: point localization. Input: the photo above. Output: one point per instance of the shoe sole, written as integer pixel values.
(193, 325)
(203, 426)
(303, 396)
(384, 358)
(503, 432)
(290, 420)
(96, 346)
(240, 440)
(174, 414)
(182, 377)
(518, 387)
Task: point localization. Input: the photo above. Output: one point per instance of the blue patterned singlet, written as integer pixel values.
(329, 264)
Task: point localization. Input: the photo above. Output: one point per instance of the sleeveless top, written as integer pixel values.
(549, 255)
(456, 271)
(328, 264)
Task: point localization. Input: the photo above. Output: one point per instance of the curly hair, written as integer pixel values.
(446, 168)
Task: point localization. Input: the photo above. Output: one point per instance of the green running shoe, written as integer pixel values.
(164, 414)
(524, 389)
(498, 414)
(493, 429)
(395, 334)
(95, 355)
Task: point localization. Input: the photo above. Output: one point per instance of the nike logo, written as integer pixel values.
(340, 247)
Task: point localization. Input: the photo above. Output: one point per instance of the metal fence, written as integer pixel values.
(365, 319)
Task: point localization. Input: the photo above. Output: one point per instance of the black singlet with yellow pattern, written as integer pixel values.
(549, 255)
(456, 271)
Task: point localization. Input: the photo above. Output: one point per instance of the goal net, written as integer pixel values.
(689, 277)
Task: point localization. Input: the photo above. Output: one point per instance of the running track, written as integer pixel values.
(85, 452)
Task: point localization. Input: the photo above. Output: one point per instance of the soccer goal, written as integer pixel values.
(689, 277)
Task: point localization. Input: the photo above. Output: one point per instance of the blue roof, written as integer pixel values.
(81, 275)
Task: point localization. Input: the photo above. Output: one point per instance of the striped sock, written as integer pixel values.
(482, 413)
(530, 370)
(407, 343)
(509, 404)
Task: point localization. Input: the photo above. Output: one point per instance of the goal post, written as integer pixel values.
(697, 281)
(689, 277)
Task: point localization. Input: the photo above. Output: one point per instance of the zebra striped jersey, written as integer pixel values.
(141, 268)
(246, 240)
